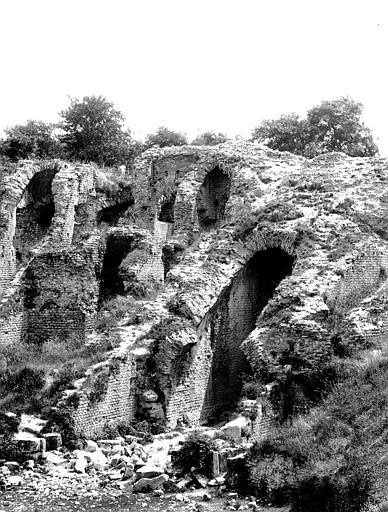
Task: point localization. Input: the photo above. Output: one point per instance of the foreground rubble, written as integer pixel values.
(109, 474)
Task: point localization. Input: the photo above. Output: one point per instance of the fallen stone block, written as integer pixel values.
(149, 471)
(150, 484)
(53, 441)
(80, 465)
(90, 446)
(31, 447)
(235, 429)
(12, 465)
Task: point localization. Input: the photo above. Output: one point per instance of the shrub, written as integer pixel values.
(9, 424)
(346, 492)
(330, 459)
(61, 420)
(196, 452)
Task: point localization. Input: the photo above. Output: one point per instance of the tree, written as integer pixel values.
(35, 139)
(94, 132)
(209, 139)
(331, 126)
(165, 137)
(336, 126)
(288, 133)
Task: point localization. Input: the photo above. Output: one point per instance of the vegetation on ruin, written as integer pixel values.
(196, 452)
(333, 458)
(331, 126)
(164, 137)
(209, 139)
(33, 377)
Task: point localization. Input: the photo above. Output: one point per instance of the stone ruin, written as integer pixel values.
(230, 250)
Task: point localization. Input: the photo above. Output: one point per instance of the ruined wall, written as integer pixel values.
(108, 396)
(323, 212)
(61, 295)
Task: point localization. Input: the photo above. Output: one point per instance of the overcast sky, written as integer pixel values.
(194, 65)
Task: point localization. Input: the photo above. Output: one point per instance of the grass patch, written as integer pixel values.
(33, 377)
(332, 459)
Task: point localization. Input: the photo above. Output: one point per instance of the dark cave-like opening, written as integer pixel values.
(231, 321)
(111, 214)
(167, 209)
(35, 212)
(117, 248)
(212, 198)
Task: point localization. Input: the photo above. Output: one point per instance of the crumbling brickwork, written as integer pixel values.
(202, 214)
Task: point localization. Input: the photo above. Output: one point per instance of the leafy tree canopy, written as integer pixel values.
(94, 132)
(165, 137)
(34, 139)
(331, 126)
(209, 139)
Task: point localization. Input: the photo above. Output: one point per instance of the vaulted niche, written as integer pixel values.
(212, 198)
(232, 319)
(34, 213)
(122, 199)
(166, 213)
(117, 248)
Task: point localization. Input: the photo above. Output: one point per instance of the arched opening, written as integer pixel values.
(212, 198)
(122, 200)
(117, 248)
(166, 213)
(34, 213)
(232, 319)
(111, 214)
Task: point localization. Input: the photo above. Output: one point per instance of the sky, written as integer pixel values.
(194, 65)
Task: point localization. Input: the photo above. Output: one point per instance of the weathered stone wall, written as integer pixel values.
(61, 294)
(108, 396)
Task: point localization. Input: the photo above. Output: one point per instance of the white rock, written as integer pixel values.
(15, 480)
(149, 471)
(54, 458)
(80, 465)
(97, 459)
(91, 446)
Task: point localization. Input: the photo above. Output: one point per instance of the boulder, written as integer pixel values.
(149, 471)
(97, 459)
(54, 458)
(12, 465)
(80, 465)
(32, 447)
(150, 484)
(15, 480)
(236, 428)
(90, 446)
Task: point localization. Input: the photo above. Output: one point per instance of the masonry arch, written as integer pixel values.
(230, 321)
(34, 212)
(212, 198)
(166, 209)
(117, 248)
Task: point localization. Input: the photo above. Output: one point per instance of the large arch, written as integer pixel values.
(231, 320)
(117, 248)
(34, 212)
(212, 198)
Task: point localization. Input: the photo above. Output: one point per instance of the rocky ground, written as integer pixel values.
(118, 474)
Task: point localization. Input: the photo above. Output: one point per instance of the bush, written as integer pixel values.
(330, 459)
(196, 452)
(9, 424)
(349, 492)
